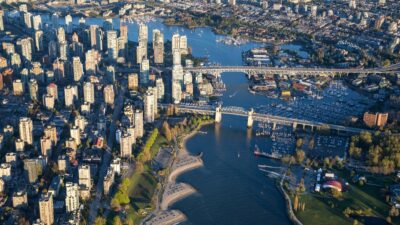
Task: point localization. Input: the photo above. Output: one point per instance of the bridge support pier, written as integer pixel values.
(250, 118)
(274, 126)
(218, 114)
(294, 126)
(312, 128)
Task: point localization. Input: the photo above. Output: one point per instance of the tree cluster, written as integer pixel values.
(381, 150)
(145, 154)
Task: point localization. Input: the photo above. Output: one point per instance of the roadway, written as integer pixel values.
(119, 103)
(238, 111)
(294, 70)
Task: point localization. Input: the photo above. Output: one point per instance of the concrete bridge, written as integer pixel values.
(251, 70)
(218, 111)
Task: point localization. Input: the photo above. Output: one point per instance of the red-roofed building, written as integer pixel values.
(332, 184)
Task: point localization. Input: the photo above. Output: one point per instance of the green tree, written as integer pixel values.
(99, 221)
(166, 130)
(296, 202)
(300, 155)
(117, 220)
(386, 63)
(299, 143)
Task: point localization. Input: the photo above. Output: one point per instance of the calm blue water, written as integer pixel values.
(231, 189)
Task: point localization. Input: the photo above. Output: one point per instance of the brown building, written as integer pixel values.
(1, 82)
(8, 76)
(133, 81)
(375, 119)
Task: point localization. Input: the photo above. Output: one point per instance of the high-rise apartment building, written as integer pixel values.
(46, 209)
(25, 130)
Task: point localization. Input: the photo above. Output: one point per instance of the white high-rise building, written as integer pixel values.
(131, 131)
(93, 57)
(39, 40)
(68, 23)
(48, 101)
(72, 196)
(177, 73)
(149, 107)
(88, 92)
(176, 91)
(46, 146)
(37, 22)
(109, 94)
(18, 87)
(126, 146)
(183, 46)
(141, 53)
(53, 90)
(75, 133)
(176, 56)
(1, 20)
(77, 68)
(70, 95)
(27, 20)
(25, 130)
(96, 37)
(144, 72)
(138, 121)
(175, 42)
(63, 50)
(143, 34)
(180, 43)
(154, 91)
(33, 89)
(46, 209)
(158, 46)
(26, 48)
(84, 176)
(352, 4)
(112, 44)
(81, 122)
(160, 88)
(61, 34)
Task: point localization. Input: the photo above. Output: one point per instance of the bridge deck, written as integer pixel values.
(298, 70)
(238, 111)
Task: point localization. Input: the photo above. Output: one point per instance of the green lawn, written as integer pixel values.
(326, 210)
(318, 212)
(160, 141)
(141, 190)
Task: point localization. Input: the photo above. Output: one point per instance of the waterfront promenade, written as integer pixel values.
(171, 191)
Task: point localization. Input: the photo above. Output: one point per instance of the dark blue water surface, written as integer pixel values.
(230, 188)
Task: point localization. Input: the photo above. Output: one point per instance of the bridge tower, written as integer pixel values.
(250, 118)
(218, 114)
(294, 126)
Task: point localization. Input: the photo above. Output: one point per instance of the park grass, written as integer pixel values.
(159, 142)
(318, 212)
(323, 209)
(140, 191)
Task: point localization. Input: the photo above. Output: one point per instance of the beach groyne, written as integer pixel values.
(165, 217)
(174, 192)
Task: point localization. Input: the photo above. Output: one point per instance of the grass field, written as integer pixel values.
(160, 141)
(318, 212)
(142, 186)
(323, 209)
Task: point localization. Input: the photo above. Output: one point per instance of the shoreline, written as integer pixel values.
(288, 202)
(182, 149)
(163, 202)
